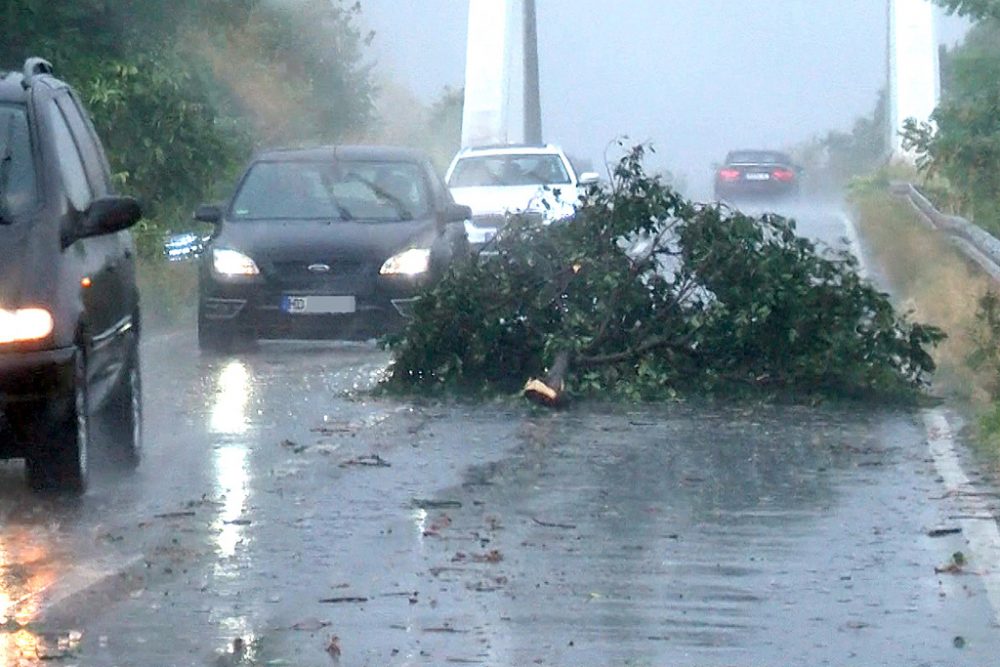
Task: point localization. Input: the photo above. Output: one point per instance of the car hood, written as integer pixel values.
(285, 240)
(488, 200)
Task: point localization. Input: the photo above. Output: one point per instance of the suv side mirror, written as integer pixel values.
(457, 213)
(211, 213)
(107, 215)
(589, 178)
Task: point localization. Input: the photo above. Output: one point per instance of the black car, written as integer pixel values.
(330, 242)
(757, 174)
(69, 307)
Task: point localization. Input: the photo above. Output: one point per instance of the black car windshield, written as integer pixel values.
(18, 188)
(343, 190)
(757, 157)
(509, 169)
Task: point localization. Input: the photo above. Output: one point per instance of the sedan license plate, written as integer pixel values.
(758, 177)
(318, 305)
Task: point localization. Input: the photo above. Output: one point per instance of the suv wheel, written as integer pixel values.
(60, 460)
(124, 411)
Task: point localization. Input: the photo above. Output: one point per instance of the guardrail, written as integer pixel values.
(975, 242)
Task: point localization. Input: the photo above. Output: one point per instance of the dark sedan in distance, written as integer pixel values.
(330, 242)
(757, 174)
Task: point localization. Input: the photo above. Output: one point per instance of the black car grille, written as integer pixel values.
(342, 276)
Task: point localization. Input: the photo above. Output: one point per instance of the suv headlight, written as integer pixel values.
(232, 263)
(411, 262)
(24, 325)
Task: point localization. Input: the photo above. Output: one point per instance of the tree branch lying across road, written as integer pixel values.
(648, 296)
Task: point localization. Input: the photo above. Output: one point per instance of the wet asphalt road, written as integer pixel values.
(281, 505)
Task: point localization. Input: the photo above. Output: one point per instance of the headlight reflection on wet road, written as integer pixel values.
(233, 391)
(229, 417)
(22, 581)
(231, 485)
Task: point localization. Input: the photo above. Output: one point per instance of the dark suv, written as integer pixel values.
(69, 307)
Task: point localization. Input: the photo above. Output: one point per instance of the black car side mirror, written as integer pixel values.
(210, 213)
(107, 215)
(457, 213)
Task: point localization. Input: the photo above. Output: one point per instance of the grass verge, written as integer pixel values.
(932, 278)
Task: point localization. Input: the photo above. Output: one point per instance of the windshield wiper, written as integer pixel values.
(6, 158)
(401, 210)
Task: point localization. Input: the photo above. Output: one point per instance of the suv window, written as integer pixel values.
(74, 176)
(18, 185)
(509, 169)
(94, 162)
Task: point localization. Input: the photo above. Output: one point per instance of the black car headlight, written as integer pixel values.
(412, 262)
(228, 262)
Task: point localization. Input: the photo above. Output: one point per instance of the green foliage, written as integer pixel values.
(962, 145)
(977, 9)
(191, 145)
(703, 300)
(985, 358)
(985, 335)
(182, 91)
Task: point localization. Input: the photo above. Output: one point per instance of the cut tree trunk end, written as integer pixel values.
(550, 391)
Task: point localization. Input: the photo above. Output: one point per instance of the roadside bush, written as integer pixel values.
(650, 296)
(985, 358)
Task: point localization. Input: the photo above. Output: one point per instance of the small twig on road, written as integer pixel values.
(173, 515)
(448, 630)
(424, 504)
(548, 524)
(941, 532)
(370, 460)
(343, 600)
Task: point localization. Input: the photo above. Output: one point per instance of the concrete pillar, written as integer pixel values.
(914, 70)
(502, 98)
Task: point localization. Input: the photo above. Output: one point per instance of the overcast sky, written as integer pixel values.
(696, 77)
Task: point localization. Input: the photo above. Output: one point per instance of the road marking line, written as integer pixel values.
(983, 536)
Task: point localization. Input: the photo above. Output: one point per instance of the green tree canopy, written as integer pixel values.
(182, 91)
(977, 9)
(963, 143)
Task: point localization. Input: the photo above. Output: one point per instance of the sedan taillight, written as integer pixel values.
(786, 175)
(729, 174)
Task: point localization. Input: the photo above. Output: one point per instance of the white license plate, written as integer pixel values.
(758, 177)
(318, 305)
